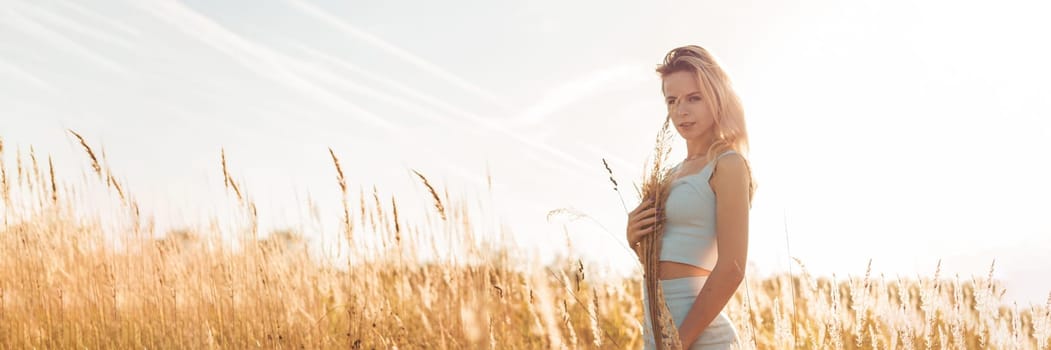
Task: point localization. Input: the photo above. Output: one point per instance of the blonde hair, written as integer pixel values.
(723, 103)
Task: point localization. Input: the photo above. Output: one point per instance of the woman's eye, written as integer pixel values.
(695, 98)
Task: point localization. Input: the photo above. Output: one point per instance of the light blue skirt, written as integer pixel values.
(680, 294)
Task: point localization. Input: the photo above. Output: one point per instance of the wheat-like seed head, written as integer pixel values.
(91, 154)
(348, 224)
(434, 194)
(397, 225)
(54, 186)
(227, 179)
(4, 186)
(18, 163)
(36, 168)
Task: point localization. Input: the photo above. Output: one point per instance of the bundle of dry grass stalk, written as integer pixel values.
(656, 183)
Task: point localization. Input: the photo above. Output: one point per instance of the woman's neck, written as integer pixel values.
(698, 147)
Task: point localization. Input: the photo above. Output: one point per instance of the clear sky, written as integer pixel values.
(899, 131)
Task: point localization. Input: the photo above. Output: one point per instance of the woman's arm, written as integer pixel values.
(731, 186)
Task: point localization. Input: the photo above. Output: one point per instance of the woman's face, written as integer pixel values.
(688, 110)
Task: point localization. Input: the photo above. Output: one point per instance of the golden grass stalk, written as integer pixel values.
(243, 199)
(342, 181)
(379, 216)
(397, 226)
(656, 183)
(54, 186)
(254, 218)
(106, 177)
(1042, 324)
(228, 181)
(120, 191)
(91, 154)
(568, 323)
(434, 193)
(362, 205)
(18, 163)
(35, 179)
(593, 309)
(4, 186)
(616, 187)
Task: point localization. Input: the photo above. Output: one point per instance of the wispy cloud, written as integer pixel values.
(574, 90)
(387, 83)
(24, 75)
(396, 51)
(318, 72)
(571, 164)
(18, 20)
(304, 77)
(439, 111)
(260, 59)
(73, 26)
(113, 24)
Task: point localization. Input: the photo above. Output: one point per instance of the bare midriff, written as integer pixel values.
(672, 270)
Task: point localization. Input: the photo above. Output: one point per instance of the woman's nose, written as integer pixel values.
(677, 108)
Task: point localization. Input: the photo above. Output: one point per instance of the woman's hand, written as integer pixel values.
(641, 221)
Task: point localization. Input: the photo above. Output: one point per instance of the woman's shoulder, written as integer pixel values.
(732, 177)
(731, 164)
(729, 153)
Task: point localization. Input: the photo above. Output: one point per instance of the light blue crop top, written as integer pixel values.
(689, 226)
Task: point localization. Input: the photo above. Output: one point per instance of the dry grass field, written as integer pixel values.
(65, 285)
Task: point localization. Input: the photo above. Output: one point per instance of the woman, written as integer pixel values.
(705, 238)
